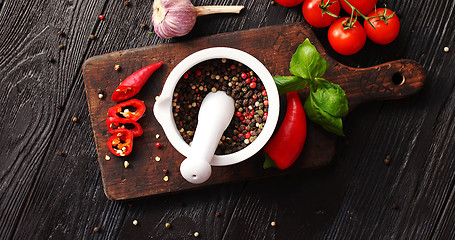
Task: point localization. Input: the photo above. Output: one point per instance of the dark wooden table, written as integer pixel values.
(50, 182)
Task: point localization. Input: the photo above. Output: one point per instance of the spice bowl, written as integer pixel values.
(163, 108)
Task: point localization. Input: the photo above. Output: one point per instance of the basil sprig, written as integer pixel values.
(327, 103)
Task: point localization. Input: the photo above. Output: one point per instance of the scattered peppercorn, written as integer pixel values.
(273, 224)
(101, 17)
(75, 119)
(165, 171)
(107, 158)
(446, 49)
(126, 3)
(167, 225)
(61, 46)
(157, 136)
(96, 229)
(135, 222)
(272, 2)
(387, 160)
(143, 25)
(92, 37)
(157, 159)
(100, 95)
(126, 164)
(217, 214)
(158, 145)
(60, 153)
(196, 234)
(166, 178)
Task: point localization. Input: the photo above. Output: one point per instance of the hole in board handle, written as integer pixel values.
(398, 79)
(194, 176)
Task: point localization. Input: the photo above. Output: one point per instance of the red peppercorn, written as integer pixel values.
(101, 17)
(254, 96)
(198, 72)
(248, 135)
(240, 135)
(248, 80)
(254, 79)
(185, 75)
(264, 93)
(244, 121)
(233, 67)
(241, 118)
(243, 75)
(158, 145)
(238, 114)
(253, 85)
(266, 102)
(264, 117)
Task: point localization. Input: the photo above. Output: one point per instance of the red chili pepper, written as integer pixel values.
(121, 142)
(285, 147)
(133, 83)
(132, 109)
(124, 123)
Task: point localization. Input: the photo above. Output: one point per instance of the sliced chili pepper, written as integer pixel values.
(124, 123)
(121, 142)
(285, 147)
(134, 82)
(132, 109)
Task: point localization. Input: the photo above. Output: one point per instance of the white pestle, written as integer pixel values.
(215, 114)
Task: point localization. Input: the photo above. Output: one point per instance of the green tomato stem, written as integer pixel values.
(358, 12)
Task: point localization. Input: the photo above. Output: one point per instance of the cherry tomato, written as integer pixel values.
(349, 41)
(386, 27)
(289, 3)
(315, 12)
(364, 6)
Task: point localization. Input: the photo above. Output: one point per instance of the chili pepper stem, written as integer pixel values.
(206, 10)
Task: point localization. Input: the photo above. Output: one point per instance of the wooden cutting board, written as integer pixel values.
(273, 46)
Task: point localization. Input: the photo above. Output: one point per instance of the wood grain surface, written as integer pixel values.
(46, 195)
(144, 176)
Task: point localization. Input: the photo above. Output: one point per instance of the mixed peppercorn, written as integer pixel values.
(239, 82)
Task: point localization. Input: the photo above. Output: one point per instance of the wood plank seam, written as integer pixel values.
(233, 211)
(54, 130)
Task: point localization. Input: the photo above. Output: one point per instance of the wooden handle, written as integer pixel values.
(391, 80)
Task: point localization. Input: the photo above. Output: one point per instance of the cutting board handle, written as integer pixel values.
(391, 80)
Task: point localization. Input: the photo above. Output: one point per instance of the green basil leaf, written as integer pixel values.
(287, 84)
(307, 62)
(329, 97)
(318, 116)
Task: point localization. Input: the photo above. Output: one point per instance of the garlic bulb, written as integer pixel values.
(175, 18)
